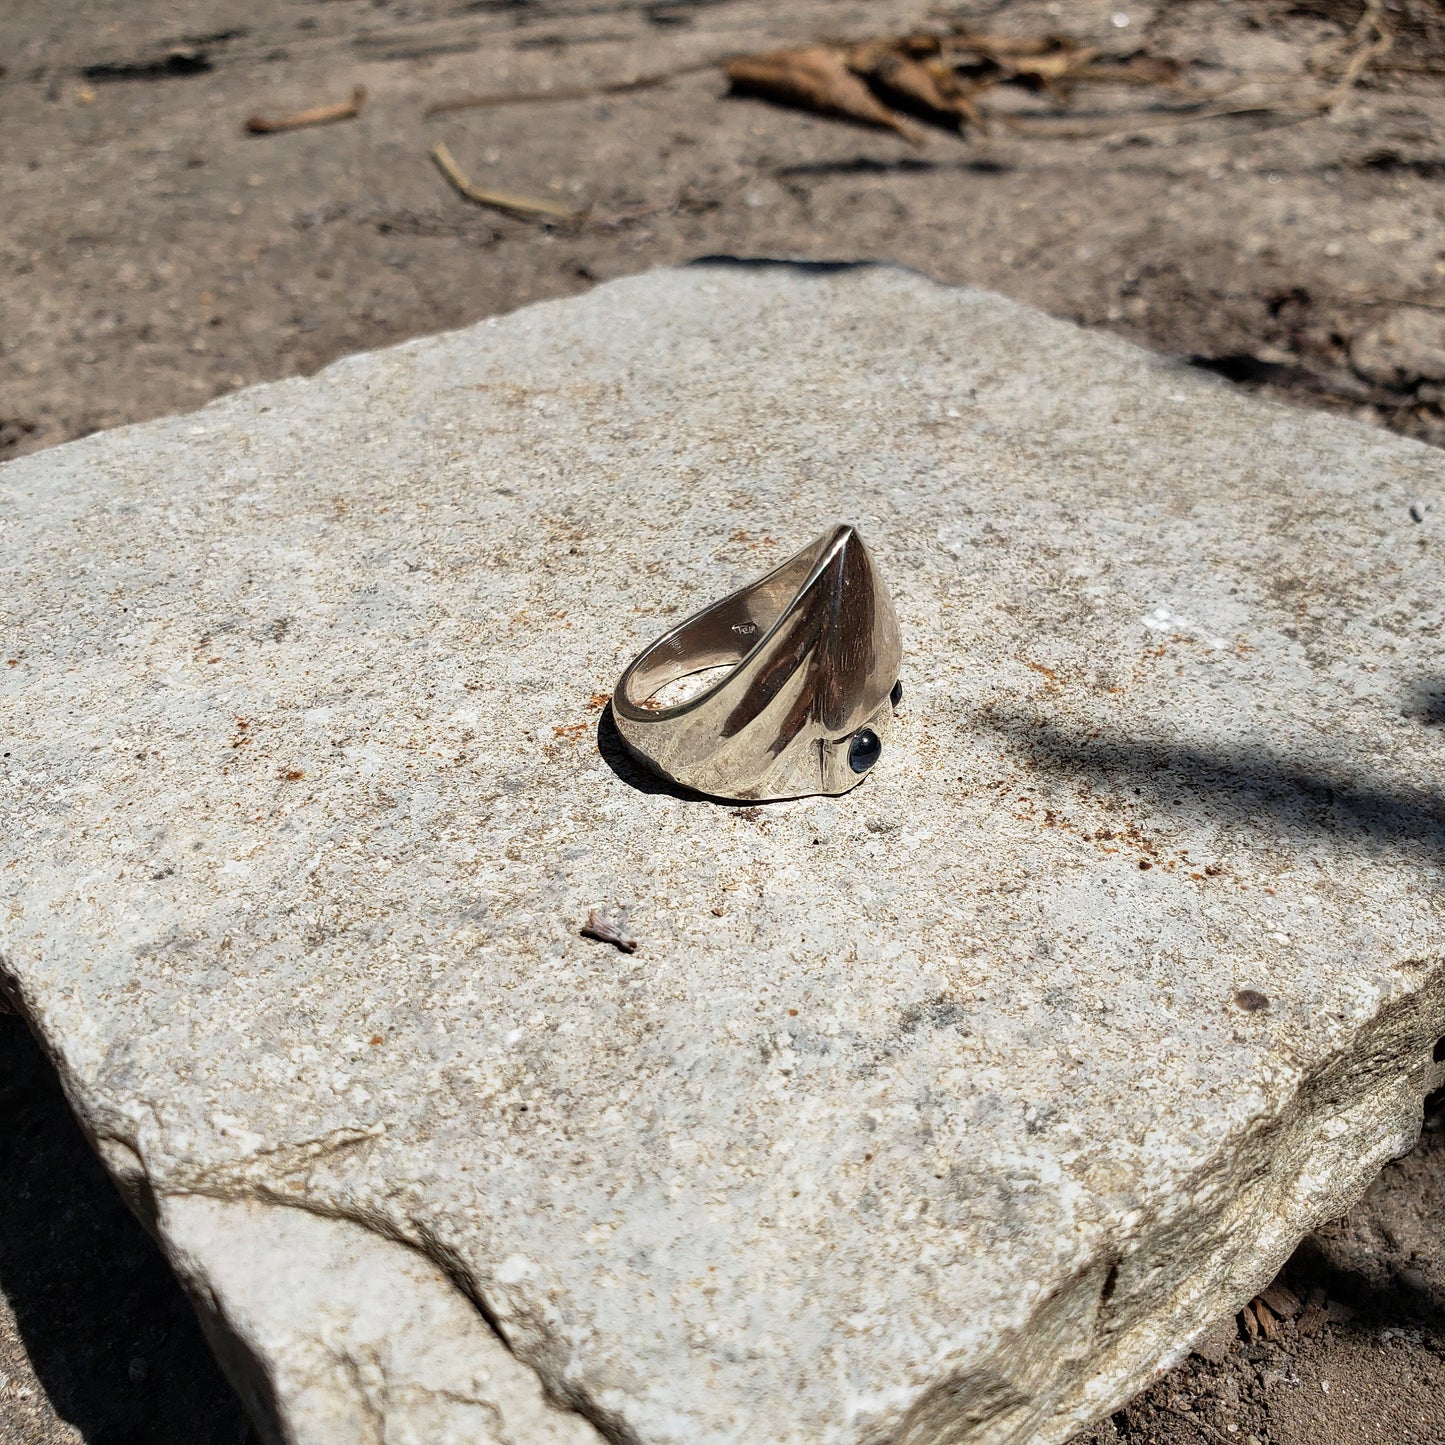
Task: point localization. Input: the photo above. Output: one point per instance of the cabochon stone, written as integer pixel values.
(949, 1110)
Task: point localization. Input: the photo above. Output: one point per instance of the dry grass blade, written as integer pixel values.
(523, 207)
(1156, 70)
(1047, 130)
(816, 79)
(1042, 57)
(317, 115)
(1001, 47)
(564, 92)
(1398, 301)
(1372, 41)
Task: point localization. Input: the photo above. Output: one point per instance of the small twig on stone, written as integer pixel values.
(523, 207)
(317, 115)
(605, 932)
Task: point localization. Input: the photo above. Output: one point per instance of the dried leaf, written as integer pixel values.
(817, 79)
(1282, 1300)
(1251, 1323)
(1038, 59)
(961, 93)
(1059, 65)
(912, 86)
(1269, 1325)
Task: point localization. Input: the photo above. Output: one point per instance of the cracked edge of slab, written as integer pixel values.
(331, 1330)
(1133, 1314)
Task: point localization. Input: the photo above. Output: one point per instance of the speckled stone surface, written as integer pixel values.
(943, 1111)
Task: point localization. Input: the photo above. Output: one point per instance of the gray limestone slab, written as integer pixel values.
(949, 1110)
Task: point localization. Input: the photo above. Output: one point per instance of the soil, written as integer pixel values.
(1288, 231)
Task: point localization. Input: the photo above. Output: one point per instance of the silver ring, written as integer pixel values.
(806, 704)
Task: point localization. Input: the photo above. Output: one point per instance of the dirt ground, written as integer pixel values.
(1273, 207)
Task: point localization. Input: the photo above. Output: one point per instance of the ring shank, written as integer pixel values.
(719, 636)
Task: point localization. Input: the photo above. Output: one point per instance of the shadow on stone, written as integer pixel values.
(903, 165)
(110, 1334)
(1245, 785)
(1425, 701)
(816, 268)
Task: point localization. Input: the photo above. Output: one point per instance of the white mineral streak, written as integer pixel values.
(946, 1111)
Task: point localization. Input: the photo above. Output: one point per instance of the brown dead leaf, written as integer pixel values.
(1269, 1324)
(1282, 1300)
(1251, 1322)
(935, 94)
(944, 79)
(1043, 60)
(817, 79)
(1057, 65)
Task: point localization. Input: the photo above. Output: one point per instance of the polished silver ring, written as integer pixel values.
(806, 704)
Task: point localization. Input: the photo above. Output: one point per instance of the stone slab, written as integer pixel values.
(946, 1110)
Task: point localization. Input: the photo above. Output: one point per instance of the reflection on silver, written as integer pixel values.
(812, 651)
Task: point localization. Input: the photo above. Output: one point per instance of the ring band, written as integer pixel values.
(812, 652)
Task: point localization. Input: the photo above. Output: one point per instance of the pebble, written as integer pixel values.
(1404, 349)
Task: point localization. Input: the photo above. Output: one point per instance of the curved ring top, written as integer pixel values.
(813, 652)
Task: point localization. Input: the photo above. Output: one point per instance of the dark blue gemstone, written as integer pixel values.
(865, 750)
